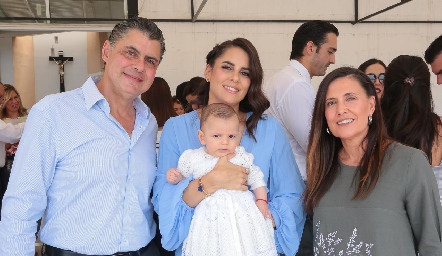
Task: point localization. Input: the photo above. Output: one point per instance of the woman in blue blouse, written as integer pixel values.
(234, 77)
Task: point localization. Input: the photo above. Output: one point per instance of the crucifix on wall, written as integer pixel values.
(60, 61)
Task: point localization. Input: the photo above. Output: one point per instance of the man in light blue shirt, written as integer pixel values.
(87, 157)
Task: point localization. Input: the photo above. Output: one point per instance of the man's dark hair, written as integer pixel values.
(433, 50)
(145, 26)
(315, 31)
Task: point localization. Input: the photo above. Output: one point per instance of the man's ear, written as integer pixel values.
(201, 137)
(105, 50)
(310, 48)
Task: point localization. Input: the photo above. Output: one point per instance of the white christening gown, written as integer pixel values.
(228, 222)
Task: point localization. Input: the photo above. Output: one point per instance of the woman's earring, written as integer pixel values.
(327, 130)
(207, 79)
(370, 120)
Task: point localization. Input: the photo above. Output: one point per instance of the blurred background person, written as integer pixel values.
(177, 106)
(368, 194)
(179, 92)
(159, 100)
(408, 107)
(375, 70)
(191, 92)
(8, 134)
(433, 56)
(13, 112)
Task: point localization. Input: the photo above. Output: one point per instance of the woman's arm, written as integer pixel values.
(285, 195)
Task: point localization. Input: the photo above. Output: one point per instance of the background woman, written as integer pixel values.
(177, 106)
(375, 70)
(234, 77)
(369, 195)
(12, 111)
(159, 100)
(407, 106)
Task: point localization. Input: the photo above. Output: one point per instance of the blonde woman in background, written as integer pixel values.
(12, 111)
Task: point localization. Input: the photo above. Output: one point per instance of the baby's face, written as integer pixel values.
(220, 136)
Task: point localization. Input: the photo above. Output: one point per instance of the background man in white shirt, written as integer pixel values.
(292, 96)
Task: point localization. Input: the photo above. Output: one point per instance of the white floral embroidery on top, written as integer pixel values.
(326, 244)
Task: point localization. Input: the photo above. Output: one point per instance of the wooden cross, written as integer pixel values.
(60, 61)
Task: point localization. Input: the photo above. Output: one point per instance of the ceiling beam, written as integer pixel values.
(199, 10)
(378, 12)
(132, 8)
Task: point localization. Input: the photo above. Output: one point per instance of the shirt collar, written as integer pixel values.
(91, 93)
(301, 69)
(93, 96)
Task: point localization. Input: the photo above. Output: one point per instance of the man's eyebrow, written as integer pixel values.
(132, 48)
(147, 57)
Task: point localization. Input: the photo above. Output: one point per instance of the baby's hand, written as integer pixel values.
(264, 209)
(173, 176)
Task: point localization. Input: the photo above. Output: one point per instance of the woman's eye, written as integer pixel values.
(330, 103)
(245, 74)
(226, 67)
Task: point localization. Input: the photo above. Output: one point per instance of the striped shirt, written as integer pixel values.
(77, 163)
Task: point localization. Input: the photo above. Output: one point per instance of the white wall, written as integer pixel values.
(188, 43)
(47, 79)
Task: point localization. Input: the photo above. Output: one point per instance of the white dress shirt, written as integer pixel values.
(292, 98)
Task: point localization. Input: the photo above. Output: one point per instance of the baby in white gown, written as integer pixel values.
(227, 222)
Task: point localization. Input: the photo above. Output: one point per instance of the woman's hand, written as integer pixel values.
(225, 175)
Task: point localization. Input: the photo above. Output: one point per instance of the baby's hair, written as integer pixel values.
(219, 110)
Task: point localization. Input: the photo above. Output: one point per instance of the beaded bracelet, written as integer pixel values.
(201, 188)
(260, 199)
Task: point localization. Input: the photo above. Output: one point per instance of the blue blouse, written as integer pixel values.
(272, 154)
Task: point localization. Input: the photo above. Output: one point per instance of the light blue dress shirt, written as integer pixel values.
(272, 155)
(77, 163)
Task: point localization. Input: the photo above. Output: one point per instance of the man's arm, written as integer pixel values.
(25, 200)
(10, 133)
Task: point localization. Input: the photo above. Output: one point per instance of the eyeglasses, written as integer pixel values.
(373, 77)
